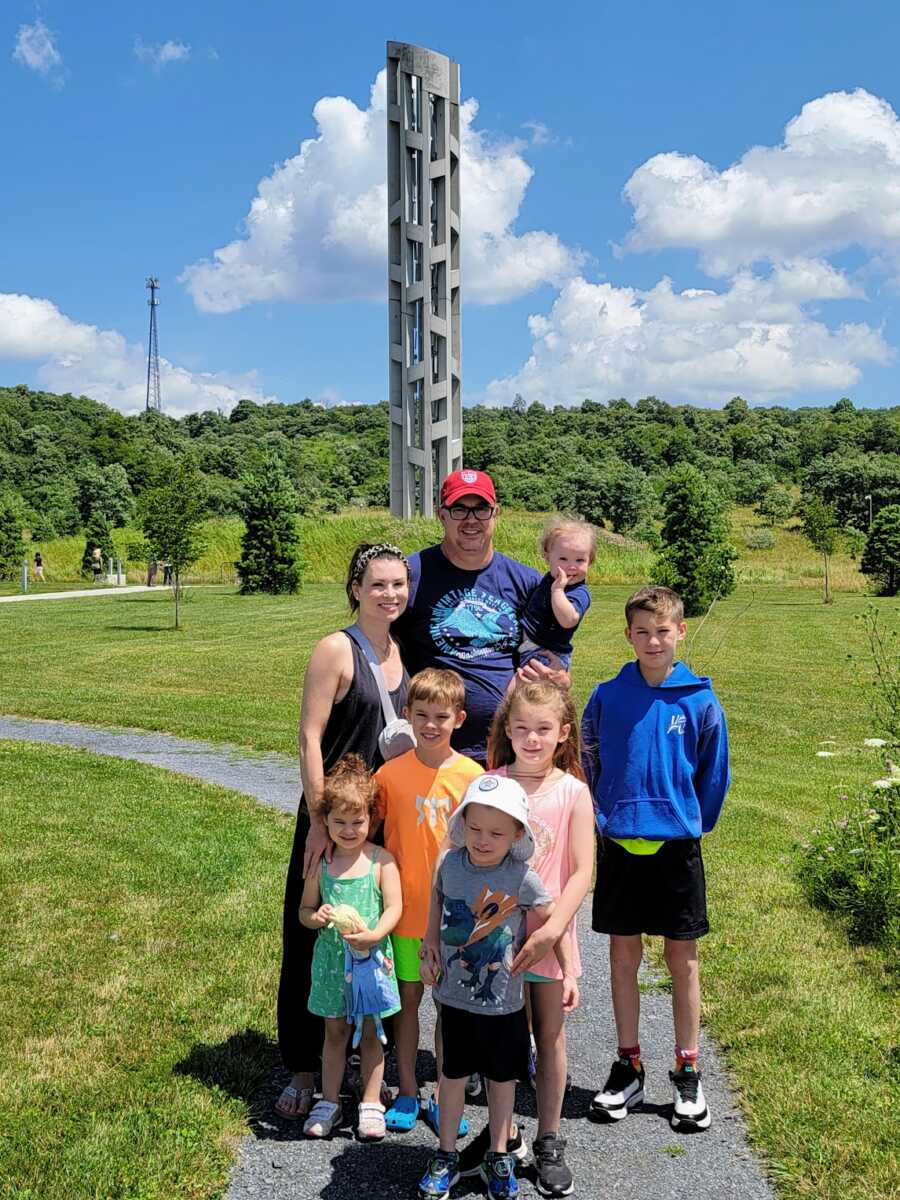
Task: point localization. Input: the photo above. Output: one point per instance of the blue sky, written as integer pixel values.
(622, 235)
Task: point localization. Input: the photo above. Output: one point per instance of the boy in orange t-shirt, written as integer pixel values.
(417, 793)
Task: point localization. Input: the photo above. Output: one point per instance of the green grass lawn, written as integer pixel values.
(140, 932)
(809, 1025)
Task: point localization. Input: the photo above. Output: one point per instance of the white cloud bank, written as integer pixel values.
(100, 363)
(36, 49)
(317, 227)
(765, 226)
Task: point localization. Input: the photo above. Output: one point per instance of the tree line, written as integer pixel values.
(67, 462)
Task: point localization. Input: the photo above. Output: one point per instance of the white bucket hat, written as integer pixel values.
(504, 794)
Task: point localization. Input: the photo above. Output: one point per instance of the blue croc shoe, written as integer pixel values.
(433, 1120)
(401, 1117)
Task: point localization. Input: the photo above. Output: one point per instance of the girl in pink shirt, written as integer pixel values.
(534, 739)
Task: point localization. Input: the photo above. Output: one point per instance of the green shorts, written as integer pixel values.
(533, 977)
(406, 958)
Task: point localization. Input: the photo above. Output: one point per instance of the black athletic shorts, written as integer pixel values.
(496, 1047)
(662, 894)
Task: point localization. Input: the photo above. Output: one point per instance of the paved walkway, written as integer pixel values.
(640, 1156)
(82, 592)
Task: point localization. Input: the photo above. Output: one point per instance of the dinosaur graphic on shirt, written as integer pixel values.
(482, 937)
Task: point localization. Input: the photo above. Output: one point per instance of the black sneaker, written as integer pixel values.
(472, 1155)
(623, 1090)
(689, 1111)
(553, 1176)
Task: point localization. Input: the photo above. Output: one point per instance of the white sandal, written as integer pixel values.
(322, 1120)
(300, 1098)
(371, 1127)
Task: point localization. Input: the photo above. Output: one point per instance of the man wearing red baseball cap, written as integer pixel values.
(465, 599)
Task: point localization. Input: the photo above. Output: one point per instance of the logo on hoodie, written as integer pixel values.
(677, 724)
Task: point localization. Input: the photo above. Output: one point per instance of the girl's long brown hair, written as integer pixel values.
(349, 784)
(546, 694)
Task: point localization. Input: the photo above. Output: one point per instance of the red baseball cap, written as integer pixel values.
(467, 483)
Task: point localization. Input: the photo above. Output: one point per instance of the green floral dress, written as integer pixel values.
(327, 995)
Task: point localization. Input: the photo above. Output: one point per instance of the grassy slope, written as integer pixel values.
(327, 543)
(807, 1023)
(141, 919)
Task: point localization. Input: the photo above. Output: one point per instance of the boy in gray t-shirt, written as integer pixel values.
(476, 925)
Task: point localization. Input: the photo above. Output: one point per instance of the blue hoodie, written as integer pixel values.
(656, 758)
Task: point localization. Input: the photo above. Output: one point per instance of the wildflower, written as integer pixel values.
(830, 849)
(824, 754)
(857, 850)
(843, 823)
(876, 743)
(882, 784)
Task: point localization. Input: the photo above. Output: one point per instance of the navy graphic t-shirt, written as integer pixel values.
(468, 622)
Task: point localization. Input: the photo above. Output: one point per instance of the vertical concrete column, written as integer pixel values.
(424, 336)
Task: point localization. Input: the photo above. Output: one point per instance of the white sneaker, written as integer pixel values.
(623, 1090)
(322, 1119)
(690, 1111)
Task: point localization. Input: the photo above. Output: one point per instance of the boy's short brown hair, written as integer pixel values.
(660, 600)
(433, 686)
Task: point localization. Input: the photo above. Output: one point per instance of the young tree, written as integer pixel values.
(696, 557)
(12, 548)
(775, 506)
(97, 534)
(171, 515)
(881, 557)
(270, 544)
(822, 531)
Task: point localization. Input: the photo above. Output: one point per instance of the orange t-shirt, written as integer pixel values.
(415, 802)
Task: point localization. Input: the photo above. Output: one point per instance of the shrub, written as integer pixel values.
(759, 538)
(881, 556)
(696, 557)
(12, 548)
(852, 868)
(270, 545)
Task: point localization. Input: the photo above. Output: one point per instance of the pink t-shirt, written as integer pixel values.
(549, 816)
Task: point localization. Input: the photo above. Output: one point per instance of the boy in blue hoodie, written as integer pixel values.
(656, 756)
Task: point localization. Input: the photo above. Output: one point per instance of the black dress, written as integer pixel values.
(353, 728)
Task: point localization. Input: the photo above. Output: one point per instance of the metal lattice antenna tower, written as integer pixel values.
(154, 397)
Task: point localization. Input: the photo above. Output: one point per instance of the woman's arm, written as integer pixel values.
(327, 679)
(581, 856)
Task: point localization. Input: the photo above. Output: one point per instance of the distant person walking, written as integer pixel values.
(38, 567)
(167, 574)
(97, 563)
(152, 569)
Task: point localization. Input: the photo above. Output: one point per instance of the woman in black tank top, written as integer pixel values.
(341, 714)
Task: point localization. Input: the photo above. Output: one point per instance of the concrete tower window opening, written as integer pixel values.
(438, 409)
(438, 302)
(436, 125)
(416, 334)
(413, 262)
(413, 186)
(436, 213)
(417, 410)
(413, 92)
(436, 340)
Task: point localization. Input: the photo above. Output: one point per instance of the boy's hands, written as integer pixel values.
(571, 994)
(430, 963)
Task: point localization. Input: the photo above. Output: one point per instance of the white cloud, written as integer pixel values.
(540, 133)
(317, 227)
(36, 49)
(834, 182)
(100, 363)
(754, 338)
(160, 54)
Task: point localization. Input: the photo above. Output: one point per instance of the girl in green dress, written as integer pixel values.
(363, 875)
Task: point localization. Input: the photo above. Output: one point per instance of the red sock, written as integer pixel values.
(686, 1058)
(632, 1052)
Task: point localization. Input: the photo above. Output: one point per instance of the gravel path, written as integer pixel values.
(638, 1156)
(80, 593)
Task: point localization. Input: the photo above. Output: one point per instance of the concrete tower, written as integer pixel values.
(423, 275)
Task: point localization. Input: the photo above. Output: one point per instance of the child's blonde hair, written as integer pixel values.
(567, 755)
(433, 686)
(557, 526)
(349, 784)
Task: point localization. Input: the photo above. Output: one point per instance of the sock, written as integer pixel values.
(686, 1058)
(632, 1052)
